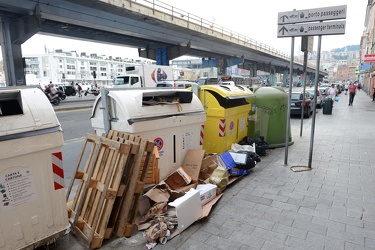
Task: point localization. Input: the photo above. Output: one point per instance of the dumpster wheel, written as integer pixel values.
(300, 168)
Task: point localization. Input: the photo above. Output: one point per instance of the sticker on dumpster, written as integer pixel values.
(159, 143)
(58, 171)
(16, 188)
(222, 126)
(242, 123)
(187, 140)
(231, 127)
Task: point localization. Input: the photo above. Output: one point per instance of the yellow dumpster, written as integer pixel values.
(226, 116)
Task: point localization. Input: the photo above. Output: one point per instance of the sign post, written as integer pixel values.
(298, 23)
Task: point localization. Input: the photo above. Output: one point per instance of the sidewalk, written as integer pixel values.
(330, 207)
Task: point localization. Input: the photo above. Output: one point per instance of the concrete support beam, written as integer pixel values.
(169, 53)
(12, 34)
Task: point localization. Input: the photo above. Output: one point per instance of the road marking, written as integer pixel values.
(75, 140)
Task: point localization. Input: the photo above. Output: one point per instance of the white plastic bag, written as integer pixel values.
(237, 147)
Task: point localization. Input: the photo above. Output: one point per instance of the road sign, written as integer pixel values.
(312, 15)
(369, 58)
(311, 29)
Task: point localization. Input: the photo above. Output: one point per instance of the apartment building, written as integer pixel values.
(69, 67)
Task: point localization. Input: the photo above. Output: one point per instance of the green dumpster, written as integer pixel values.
(268, 116)
(327, 106)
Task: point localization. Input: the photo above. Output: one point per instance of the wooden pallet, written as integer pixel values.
(125, 211)
(153, 173)
(100, 182)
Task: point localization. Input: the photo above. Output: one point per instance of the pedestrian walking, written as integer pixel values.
(332, 93)
(352, 93)
(79, 90)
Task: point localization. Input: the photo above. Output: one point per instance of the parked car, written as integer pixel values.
(185, 84)
(69, 90)
(298, 100)
(166, 84)
(323, 90)
(319, 97)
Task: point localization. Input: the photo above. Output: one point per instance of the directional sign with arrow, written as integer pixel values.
(311, 29)
(312, 15)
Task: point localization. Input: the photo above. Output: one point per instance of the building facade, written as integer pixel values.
(69, 68)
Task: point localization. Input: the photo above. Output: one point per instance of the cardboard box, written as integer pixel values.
(191, 166)
(178, 178)
(209, 164)
(193, 162)
(207, 192)
(188, 210)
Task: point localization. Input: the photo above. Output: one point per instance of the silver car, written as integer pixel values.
(319, 97)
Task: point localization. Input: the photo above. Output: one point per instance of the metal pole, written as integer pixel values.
(289, 102)
(304, 89)
(105, 109)
(315, 97)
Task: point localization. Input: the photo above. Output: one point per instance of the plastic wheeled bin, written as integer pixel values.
(33, 208)
(268, 116)
(227, 111)
(172, 118)
(327, 106)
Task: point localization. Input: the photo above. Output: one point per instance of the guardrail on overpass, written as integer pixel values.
(168, 13)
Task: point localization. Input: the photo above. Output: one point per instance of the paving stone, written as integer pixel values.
(268, 209)
(329, 223)
(224, 243)
(268, 245)
(352, 246)
(290, 231)
(303, 244)
(246, 239)
(360, 231)
(329, 243)
(284, 206)
(278, 219)
(319, 229)
(349, 237)
(341, 217)
(258, 200)
(370, 243)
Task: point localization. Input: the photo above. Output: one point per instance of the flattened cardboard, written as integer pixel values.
(207, 208)
(193, 162)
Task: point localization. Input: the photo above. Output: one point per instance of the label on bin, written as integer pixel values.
(16, 188)
(231, 126)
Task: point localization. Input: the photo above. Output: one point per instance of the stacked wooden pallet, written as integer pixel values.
(110, 186)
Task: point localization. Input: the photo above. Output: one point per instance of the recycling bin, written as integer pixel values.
(268, 116)
(227, 110)
(327, 106)
(33, 209)
(172, 118)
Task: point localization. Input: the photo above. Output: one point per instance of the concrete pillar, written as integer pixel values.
(285, 77)
(12, 57)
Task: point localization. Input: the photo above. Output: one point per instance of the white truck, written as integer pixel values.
(143, 76)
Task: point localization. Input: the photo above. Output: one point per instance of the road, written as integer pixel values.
(75, 124)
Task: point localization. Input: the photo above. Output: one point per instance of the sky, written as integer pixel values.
(254, 19)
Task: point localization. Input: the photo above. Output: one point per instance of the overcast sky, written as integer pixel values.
(254, 19)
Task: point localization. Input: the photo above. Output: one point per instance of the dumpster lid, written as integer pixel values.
(142, 103)
(24, 110)
(229, 91)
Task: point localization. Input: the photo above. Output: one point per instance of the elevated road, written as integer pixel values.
(150, 26)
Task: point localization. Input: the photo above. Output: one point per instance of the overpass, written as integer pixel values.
(159, 31)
